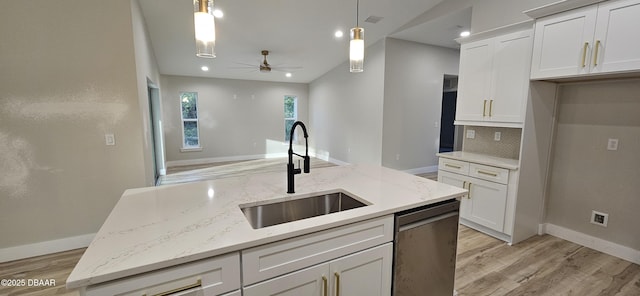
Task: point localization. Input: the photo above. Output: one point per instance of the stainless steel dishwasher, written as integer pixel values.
(425, 250)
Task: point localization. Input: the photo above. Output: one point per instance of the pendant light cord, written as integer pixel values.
(357, 11)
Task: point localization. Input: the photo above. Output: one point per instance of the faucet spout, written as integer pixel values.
(291, 170)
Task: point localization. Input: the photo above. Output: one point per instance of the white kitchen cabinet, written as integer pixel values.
(596, 39)
(208, 277)
(494, 79)
(488, 206)
(364, 273)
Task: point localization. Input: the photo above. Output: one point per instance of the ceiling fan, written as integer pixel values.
(265, 67)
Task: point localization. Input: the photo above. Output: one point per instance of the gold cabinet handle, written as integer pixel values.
(469, 194)
(452, 166)
(484, 109)
(337, 275)
(490, 107)
(488, 173)
(197, 284)
(464, 186)
(595, 53)
(584, 54)
(324, 285)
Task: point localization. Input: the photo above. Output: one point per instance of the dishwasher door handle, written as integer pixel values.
(427, 221)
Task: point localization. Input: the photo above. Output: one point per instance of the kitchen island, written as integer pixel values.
(158, 228)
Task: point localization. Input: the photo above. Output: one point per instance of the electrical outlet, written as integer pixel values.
(496, 136)
(471, 134)
(110, 139)
(397, 156)
(436, 124)
(612, 144)
(599, 218)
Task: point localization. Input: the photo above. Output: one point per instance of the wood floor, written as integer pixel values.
(541, 265)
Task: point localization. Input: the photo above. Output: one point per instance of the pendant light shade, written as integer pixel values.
(356, 46)
(356, 50)
(205, 28)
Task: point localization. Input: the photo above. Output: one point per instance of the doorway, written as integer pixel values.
(450, 134)
(155, 126)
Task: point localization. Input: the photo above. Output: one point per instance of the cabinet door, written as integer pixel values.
(510, 83)
(306, 282)
(617, 38)
(458, 181)
(474, 80)
(563, 42)
(486, 203)
(364, 273)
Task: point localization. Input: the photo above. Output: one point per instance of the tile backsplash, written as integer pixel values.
(484, 142)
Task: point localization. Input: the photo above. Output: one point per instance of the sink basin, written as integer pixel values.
(297, 209)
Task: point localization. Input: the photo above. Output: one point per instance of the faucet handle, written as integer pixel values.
(307, 164)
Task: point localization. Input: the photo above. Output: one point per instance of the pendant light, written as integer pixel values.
(205, 28)
(356, 46)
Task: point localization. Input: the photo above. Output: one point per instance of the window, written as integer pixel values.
(290, 115)
(190, 132)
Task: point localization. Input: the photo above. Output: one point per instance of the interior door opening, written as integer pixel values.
(450, 134)
(155, 125)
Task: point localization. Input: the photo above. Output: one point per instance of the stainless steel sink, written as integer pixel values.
(297, 209)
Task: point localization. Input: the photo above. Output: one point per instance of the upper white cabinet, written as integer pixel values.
(596, 39)
(494, 80)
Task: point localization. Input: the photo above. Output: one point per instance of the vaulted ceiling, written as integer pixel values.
(298, 33)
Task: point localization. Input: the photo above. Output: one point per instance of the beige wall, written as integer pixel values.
(238, 118)
(585, 176)
(68, 78)
(491, 14)
(346, 110)
(413, 82)
(146, 71)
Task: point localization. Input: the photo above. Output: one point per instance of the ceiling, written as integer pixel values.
(298, 33)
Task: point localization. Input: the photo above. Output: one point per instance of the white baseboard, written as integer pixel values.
(43, 248)
(607, 247)
(422, 170)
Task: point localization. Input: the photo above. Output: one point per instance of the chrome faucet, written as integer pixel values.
(291, 171)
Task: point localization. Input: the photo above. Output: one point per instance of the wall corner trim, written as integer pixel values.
(607, 247)
(46, 247)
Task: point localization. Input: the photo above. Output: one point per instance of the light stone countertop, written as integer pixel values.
(506, 163)
(157, 227)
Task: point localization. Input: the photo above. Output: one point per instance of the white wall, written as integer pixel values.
(238, 118)
(413, 83)
(585, 176)
(68, 77)
(346, 111)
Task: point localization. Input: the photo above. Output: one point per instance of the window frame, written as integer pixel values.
(294, 118)
(184, 147)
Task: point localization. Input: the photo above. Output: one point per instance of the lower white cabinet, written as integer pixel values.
(485, 203)
(364, 273)
(489, 202)
(209, 277)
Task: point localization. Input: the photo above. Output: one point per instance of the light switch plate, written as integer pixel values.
(612, 144)
(471, 134)
(110, 139)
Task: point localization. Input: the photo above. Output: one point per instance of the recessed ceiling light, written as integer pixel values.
(205, 68)
(465, 33)
(288, 74)
(338, 34)
(218, 13)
